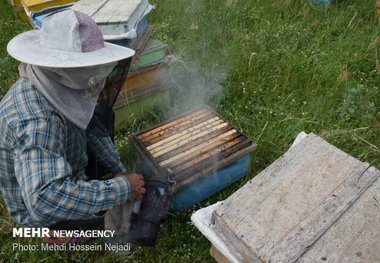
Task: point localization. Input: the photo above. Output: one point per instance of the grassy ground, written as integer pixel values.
(272, 68)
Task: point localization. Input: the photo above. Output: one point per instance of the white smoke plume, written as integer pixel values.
(193, 86)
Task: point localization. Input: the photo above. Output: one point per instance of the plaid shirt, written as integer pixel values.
(42, 161)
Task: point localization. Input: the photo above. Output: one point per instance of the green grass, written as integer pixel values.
(272, 68)
(10, 26)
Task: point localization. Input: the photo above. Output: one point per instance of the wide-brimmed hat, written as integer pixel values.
(67, 39)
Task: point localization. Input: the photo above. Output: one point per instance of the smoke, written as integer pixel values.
(194, 85)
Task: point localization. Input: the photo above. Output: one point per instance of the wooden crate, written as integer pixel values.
(147, 84)
(138, 43)
(143, 83)
(207, 185)
(199, 152)
(37, 5)
(133, 110)
(218, 256)
(114, 17)
(143, 90)
(355, 237)
(36, 17)
(154, 52)
(301, 209)
(19, 9)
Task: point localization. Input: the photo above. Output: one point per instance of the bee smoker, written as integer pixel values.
(153, 211)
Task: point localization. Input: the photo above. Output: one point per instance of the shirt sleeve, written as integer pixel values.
(49, 189)
(105, 151)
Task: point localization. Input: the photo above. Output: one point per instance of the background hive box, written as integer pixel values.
(155, 52)
(143, 90)
(144, 82)
(146, 85)
(36, 5)
(303, 199)
(138, 43)
(199, 152)
(131, 111)
(36, 10)
(36, 17)
(111, 20)
(19, 9)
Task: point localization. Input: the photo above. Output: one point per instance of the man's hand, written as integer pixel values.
(137, 185)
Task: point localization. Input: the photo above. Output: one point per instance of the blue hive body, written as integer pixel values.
(209, 185)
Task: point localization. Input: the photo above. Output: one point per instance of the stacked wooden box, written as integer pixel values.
(147, 84)
(19, 9)
(27, 8)
(314, 204)
(125, 23)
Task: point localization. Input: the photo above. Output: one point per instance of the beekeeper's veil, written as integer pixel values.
(71, 65)
(102, 122)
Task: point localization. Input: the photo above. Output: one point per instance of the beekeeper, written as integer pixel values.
(49, 128)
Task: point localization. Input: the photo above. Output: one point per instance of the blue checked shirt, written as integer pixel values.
(42, 161)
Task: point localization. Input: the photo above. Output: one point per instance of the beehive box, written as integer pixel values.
(355, 237)
(114, 17)
(131, 110)
(36, 17)
(143, 83)
(143, 90)
(138, 43)
(314, 204)
(147, 84)
(37, 5)
(198, 152)
(19, 9)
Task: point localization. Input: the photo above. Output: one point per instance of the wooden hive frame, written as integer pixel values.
(191, 146)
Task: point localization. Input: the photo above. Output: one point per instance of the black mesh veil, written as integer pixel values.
(103, 119)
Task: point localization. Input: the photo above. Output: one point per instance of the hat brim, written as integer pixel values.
(26, 48)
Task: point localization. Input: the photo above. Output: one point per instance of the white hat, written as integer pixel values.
(67, 39)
